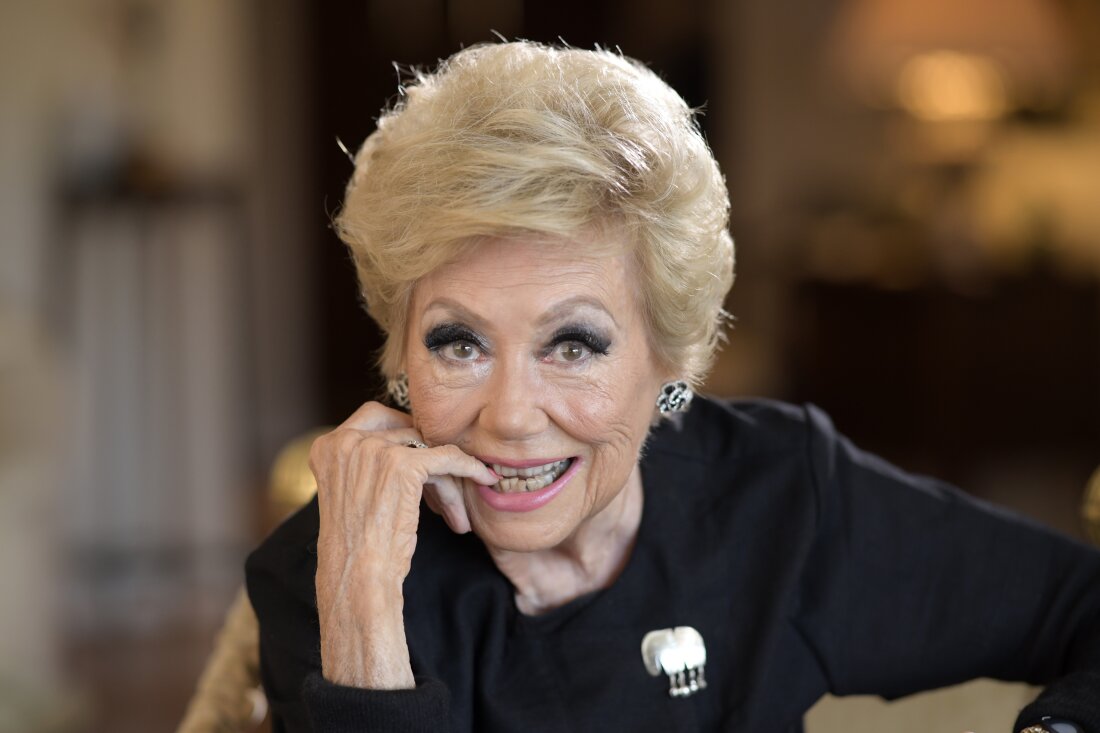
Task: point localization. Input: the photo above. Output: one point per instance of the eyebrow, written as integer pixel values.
(558, 311)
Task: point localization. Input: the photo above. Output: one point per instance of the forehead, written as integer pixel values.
(532, 274)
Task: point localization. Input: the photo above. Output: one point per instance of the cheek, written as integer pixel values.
(613, 426)
(609, 416)
(438, 408)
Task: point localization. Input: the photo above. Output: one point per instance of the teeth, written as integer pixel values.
(528, 479)
(509, 471)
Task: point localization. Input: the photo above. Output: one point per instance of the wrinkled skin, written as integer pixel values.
(494, 373)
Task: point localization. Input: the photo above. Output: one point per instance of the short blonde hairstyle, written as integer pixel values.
(520, 138)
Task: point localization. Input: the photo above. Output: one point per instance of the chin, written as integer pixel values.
(518, 536)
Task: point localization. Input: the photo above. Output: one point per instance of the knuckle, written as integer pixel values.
(319, 452)
(373, 409)
(371, 443)
(331, 447)
(454, 452)
(376, 416)
(389, 460)
(319, 446)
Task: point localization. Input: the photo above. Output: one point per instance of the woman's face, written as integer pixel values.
(533, 356)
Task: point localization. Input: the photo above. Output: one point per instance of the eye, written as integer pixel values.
(576, 344)
(460, 351)
(570, 352)
(455, 343)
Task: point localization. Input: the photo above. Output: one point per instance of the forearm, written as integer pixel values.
(283, 583)
(363, 639)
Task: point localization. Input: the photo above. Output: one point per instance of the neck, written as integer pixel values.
(591, 559)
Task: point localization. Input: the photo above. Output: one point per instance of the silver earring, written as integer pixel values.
(398, 390)
(674, 397)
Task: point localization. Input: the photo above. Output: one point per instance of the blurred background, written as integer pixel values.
(916, 202)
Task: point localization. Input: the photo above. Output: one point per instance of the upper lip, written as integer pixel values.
(520, 462)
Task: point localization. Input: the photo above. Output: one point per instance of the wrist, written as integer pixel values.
(1053, 725)
(371, 654)
(363, 638)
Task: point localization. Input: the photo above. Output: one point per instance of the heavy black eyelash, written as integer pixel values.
(597, 342)
(448, 333)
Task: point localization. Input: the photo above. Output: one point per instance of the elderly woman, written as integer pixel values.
(541, 234)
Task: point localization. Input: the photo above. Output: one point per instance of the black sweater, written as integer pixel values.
(806, 565)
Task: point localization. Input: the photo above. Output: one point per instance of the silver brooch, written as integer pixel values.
(679, 653)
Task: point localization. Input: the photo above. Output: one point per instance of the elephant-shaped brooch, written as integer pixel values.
(680, 653)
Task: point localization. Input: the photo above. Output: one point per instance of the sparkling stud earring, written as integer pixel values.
(398, 390)
(674, 397)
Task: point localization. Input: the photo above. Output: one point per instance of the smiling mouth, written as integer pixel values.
(518, 480)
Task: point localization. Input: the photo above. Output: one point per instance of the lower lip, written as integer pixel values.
(527, 501)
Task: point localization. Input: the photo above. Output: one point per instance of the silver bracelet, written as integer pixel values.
(1053, 725)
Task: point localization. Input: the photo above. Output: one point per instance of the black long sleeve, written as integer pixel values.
(912, 585)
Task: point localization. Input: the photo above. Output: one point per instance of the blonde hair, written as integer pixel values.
(518, 139)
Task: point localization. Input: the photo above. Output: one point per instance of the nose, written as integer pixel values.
(513, 408)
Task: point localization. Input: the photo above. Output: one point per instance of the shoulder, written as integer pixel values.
(724, 428)
(737, 459)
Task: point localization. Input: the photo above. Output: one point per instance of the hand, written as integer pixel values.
(369, 486)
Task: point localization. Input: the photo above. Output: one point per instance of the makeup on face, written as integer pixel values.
(534, 359)
(572, 343)
(509, 495)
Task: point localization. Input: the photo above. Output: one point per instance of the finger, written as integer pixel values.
(450, 460)
(408, 437)
(457, 519)
(444, 497)
(443, 491)
(433, 502)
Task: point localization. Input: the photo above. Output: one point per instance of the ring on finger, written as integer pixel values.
(415, 444)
